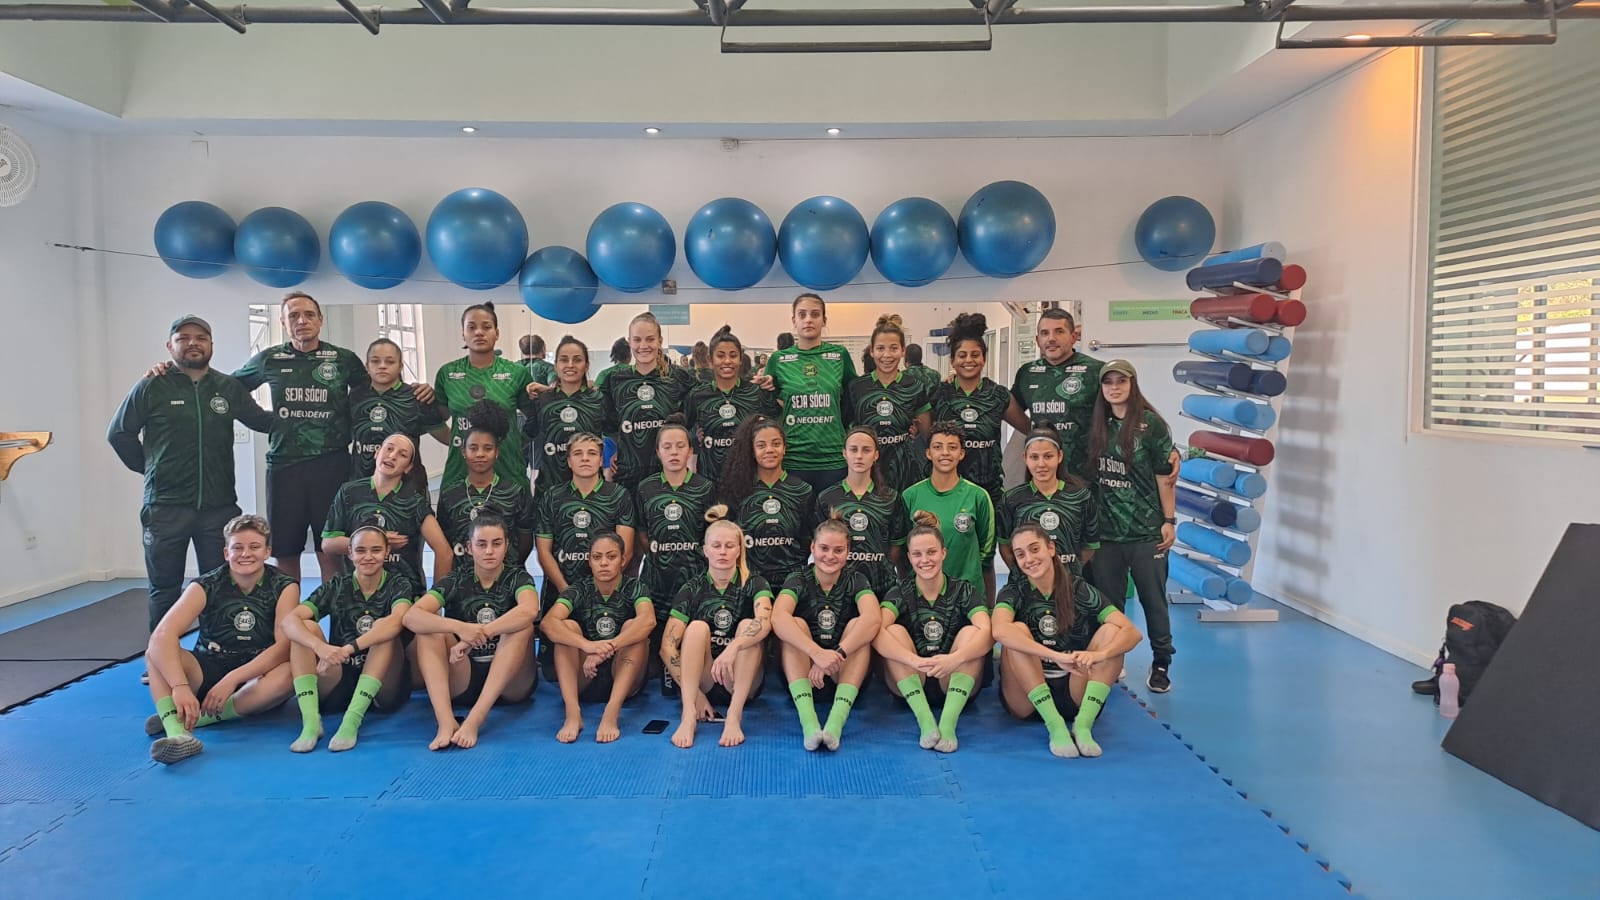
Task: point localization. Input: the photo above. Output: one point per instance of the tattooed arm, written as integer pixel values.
(672, 648)
(754, 630)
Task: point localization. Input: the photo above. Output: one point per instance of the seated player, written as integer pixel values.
(474, 634)
(1061, 643)
(826, 616)
(239, 665)
(935, 633)
(712, 646)
(600, 627)
(361, 664)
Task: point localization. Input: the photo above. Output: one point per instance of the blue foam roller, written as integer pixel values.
(1264, 416)
(1249, 484)
(1244, 341)
(1228, 409)
(1207, 508)
(1250, 271)
(1239, 592)
(1196, 578)
(1246, 519)
(1277, 349)
(1234, 376)
(1267, 383)
(1213, 543)
(1214, 472)
(1268, 250)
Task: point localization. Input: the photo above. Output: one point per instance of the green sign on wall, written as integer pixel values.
(675, 313)
(1148, 310)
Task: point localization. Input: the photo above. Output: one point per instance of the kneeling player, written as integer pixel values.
(600, 627)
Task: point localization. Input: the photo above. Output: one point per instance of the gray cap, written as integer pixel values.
(1118, 365)
(191, 320)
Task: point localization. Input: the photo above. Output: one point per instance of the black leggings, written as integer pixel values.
(1110, 569)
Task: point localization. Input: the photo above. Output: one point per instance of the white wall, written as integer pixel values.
(1370, 526)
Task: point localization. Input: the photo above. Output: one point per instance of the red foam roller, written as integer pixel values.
(1251, 307)
(1292, 279)
(1255, 451)
(1289, 313)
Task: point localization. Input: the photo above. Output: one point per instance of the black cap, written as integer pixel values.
(191, 320)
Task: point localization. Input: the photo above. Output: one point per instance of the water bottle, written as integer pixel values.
(1449, 692)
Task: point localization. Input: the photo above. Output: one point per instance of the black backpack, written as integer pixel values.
(1472, 634)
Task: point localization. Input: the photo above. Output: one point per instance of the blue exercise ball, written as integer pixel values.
(557, 284)
(1175, 233)
(477, 239)
(277, 247)
(822, 243)
(631, 247)
(374, 245)
(1006, 229)
(913, 241)
(730, 244)
(195, 239)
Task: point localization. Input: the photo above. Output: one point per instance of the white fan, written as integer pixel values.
(17, 168)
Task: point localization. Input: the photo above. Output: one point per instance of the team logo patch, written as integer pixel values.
(963, 522)
(1050, 521)
(283, 412)
(378, 415)
(646, 393)
(486, 615)
(569, 415)
(326, 372)
(149, 538)
(770, 506)
(473, 515)
(969, 415)
(858, 521)
(244, 621)
(605, 626)
(477, 391)
(379, 520)
(1048, 626)
(673, 512)
(219, 405)
(460, 549)
(933, 630)
(727, 411)
(787, 420)
(581, 519)
(885, 408)
(810, 370)
(826, 620)
(1073, 384)
(722, 619)
(364, 624)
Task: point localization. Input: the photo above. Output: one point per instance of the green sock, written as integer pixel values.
(367, 689)
(228, 714)
(305, 694)
(844, 700)
(168, 711)
(911, 689)
(800, 690)
(955, 700)
(1094, 697)
(1042, 700)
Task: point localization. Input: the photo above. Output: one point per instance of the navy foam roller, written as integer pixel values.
(1233, 376)
(1251, 271)
(1214, 472)
(1243, 341)
(1207, 508)
(1265, 382)
(1268, 250)
(1214, 543)
(1195, 578)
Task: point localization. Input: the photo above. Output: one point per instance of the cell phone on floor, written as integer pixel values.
(655, 726)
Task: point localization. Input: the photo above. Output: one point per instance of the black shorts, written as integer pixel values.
(480, 674)
(599, 690)
(214, 667)
(298, 497)
(338, 699)
(721, 696)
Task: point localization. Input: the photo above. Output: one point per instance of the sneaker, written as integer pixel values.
(1428, 687)
(1158, 680)
(169, 750)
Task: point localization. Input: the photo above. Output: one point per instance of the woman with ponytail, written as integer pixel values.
(570, 406)
(483, 375)
(871, 510)
(713, 642)
(1052, 498)
(720, 402)
(773, 506)
(895, 403)
(483, 490)
(1062, 644)
(638, 398)
(395, 499)
(977, 404)
(670, 512)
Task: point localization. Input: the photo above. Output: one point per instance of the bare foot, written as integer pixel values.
(732, 734)
(466, 736)
(570, 729)
(442, 739)
(608, 731)
(684, 736)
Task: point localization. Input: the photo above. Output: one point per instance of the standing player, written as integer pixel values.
(1058, 388)
(812, 379)
(482, 375)
(1130, 453)
(601, 628)
(935, 634)
(962, 508)
(1055, 500)
(671, 515)
(539, 368)
(638, 399)
(239, 667)
(872, 512)
(717, 406)
(894, 403)
(571, 406)
(827, 617)
(483, 491)
(339, 672)
(385, 406)
(396, 500)
(978, 405)
(773, 506)
(570, 515)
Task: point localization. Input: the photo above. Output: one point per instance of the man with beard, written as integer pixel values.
(176, 428)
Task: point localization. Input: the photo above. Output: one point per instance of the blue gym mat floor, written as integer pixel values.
(1288, 762)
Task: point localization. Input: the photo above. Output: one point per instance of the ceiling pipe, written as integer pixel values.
(998, 8)
(438, 9)
(1299, 12)
(210, 11)
(161, 9)
(367, 22)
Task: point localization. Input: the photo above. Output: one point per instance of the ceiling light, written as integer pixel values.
(833, 130)
(1354, 38)
(652, 130)
(1481, 34)
(468, 129)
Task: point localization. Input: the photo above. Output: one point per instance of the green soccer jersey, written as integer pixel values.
(673, 520)
(460, 504)
(458, 385)
(890, 409)
(777, 523)
(178, 432)
(966, 518)
(1062, 396)
(877, 521)
(570, 519)
(714, 415)
(1127, 492)
(557, 416)
(1068, 515)
(403, 509)
(933, 624)
(462, 597)
(722, 609)
(601, 616)
(310, 395)
(1089, 611)
(352, 613)
(812, 385)
(541, 371)
(374, 415)
(980, 415)
(636, 407)
(826, 611)
(236, 623)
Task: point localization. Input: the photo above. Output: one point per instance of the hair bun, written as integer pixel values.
(676, 418)
(890, 320)
(924, 517)
(716, 512)
(725, 329)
